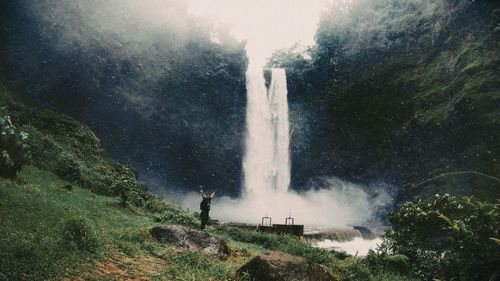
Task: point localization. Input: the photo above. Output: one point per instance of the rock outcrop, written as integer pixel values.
(281, 267)
(190, 239)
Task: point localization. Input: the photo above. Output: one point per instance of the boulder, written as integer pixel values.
(282, 267)
(190, 239)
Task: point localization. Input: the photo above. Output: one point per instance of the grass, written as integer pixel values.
(197, 266)
(36, 214)
(48, 232)
(283, 243)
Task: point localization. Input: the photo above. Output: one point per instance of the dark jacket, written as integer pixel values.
(205, 204)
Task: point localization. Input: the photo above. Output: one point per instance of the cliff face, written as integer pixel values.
(164, 91)
(399, 91)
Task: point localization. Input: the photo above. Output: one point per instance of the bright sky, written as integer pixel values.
(267, 25)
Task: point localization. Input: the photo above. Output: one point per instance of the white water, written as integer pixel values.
(356, 247)
(277, 96)
(266, 164)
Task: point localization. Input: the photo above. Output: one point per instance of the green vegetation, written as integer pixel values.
(197, 266)
(404, 89)
(14, 150)
(283, 243)
(151, 94)
(69, 149)
(49, 232)
(448, 238)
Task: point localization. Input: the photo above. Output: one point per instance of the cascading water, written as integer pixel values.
(267, 162)
(278, 104)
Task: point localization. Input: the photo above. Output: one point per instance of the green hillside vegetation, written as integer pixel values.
(50, 232)
(405, 90)
(107, 65)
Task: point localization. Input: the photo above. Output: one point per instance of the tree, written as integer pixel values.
(448, 238)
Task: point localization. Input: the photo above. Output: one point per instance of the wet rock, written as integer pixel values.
(365, 232)
(190, 239)
(282, 267)
(340, 234)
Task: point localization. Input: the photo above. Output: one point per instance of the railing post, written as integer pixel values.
(266, 219)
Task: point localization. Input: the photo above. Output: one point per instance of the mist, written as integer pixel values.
(329, 201)
(356, 247)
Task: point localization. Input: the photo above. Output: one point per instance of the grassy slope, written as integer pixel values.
(33, 245)
(36, 209)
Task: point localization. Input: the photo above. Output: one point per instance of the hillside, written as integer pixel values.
(168, 101)
(399, 91)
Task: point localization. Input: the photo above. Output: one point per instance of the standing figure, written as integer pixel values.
(205, 206)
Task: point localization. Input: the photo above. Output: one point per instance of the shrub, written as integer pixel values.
(447, 237)
(172, 214)
(351, 269)
(80, 235)
(382, 262)
(14, 150)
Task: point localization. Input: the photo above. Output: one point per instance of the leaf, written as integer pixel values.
(495, 240)
(446, 219)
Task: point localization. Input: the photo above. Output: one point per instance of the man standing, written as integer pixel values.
(205, 206)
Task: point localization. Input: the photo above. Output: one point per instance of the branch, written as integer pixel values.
(458, 173)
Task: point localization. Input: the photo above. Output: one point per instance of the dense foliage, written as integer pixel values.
(165, 93)
(14, 148)
(79, 234)
(448, 238)
(69, 149)
(399, 90)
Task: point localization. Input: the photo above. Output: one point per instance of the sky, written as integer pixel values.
(267, 25)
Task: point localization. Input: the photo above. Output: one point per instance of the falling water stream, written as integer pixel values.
(267, 162)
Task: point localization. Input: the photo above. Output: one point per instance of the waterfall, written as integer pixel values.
(267, 162)
(278, 105)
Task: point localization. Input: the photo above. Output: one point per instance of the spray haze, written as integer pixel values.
(332, 203)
